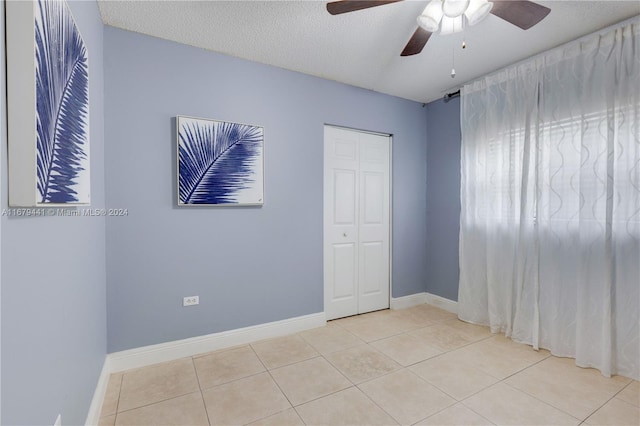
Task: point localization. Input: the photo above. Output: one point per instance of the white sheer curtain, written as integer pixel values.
(550, 223)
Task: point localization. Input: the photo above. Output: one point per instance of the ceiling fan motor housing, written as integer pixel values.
(454, 8)
(447, 15)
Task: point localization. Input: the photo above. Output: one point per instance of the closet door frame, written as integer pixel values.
(341, 242)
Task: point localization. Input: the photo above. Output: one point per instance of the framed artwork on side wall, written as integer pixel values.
(220, 163)
(48, 105)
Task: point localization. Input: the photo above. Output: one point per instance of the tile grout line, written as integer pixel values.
(609, 400)
(623, 388)
(455, 400)
(206, 412)
(299, 416)
(159, 401)
(323, 354)
(320, 355)
(118, 401)
(266, 370)
(317, 354)
(119, 394)
(193, 362)
(549, 404)
(276, 383)
(377, 405)
(233, 381)
(115, 419)
(330, 393)
(544, 402)
(474, 411)
(473, 342)
(527, 367)
(441, 390)
(384, 375)
(319, 397)
(270, 415)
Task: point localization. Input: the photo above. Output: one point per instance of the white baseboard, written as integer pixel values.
(147, 355)
(422, 298)
(93, 416)
(153, 354)
(442, 303)
(409, 301)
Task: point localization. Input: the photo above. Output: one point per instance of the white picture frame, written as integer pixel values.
(220, 163)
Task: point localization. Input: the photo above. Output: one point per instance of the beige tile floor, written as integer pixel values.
(414, 366)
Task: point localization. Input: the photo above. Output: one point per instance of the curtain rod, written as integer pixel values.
(451, 95)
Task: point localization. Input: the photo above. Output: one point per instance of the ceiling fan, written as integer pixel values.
(449, 15)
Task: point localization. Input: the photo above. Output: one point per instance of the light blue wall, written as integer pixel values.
(3, 142)
(248, 265)
(53, 284)
(443, 197)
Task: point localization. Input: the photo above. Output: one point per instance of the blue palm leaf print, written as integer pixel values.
(62, 104)
(218, 162)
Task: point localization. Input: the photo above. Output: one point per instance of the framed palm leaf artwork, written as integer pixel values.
(220, 163)
(48, 111)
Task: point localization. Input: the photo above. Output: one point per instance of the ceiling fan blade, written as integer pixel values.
(344, 6)
(523, 14)
(417, 42)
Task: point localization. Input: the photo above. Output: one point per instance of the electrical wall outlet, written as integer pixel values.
(190, 300)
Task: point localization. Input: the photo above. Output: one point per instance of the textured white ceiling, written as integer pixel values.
(360, 48)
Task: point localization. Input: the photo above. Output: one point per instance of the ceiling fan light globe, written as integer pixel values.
(454, 8)
(427, 23)
(431, 16)
(477, 11)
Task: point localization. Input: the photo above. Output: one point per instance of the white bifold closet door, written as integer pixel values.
(356, 222)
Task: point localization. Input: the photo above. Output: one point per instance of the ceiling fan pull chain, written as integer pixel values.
(453, 62)
(464, 33)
